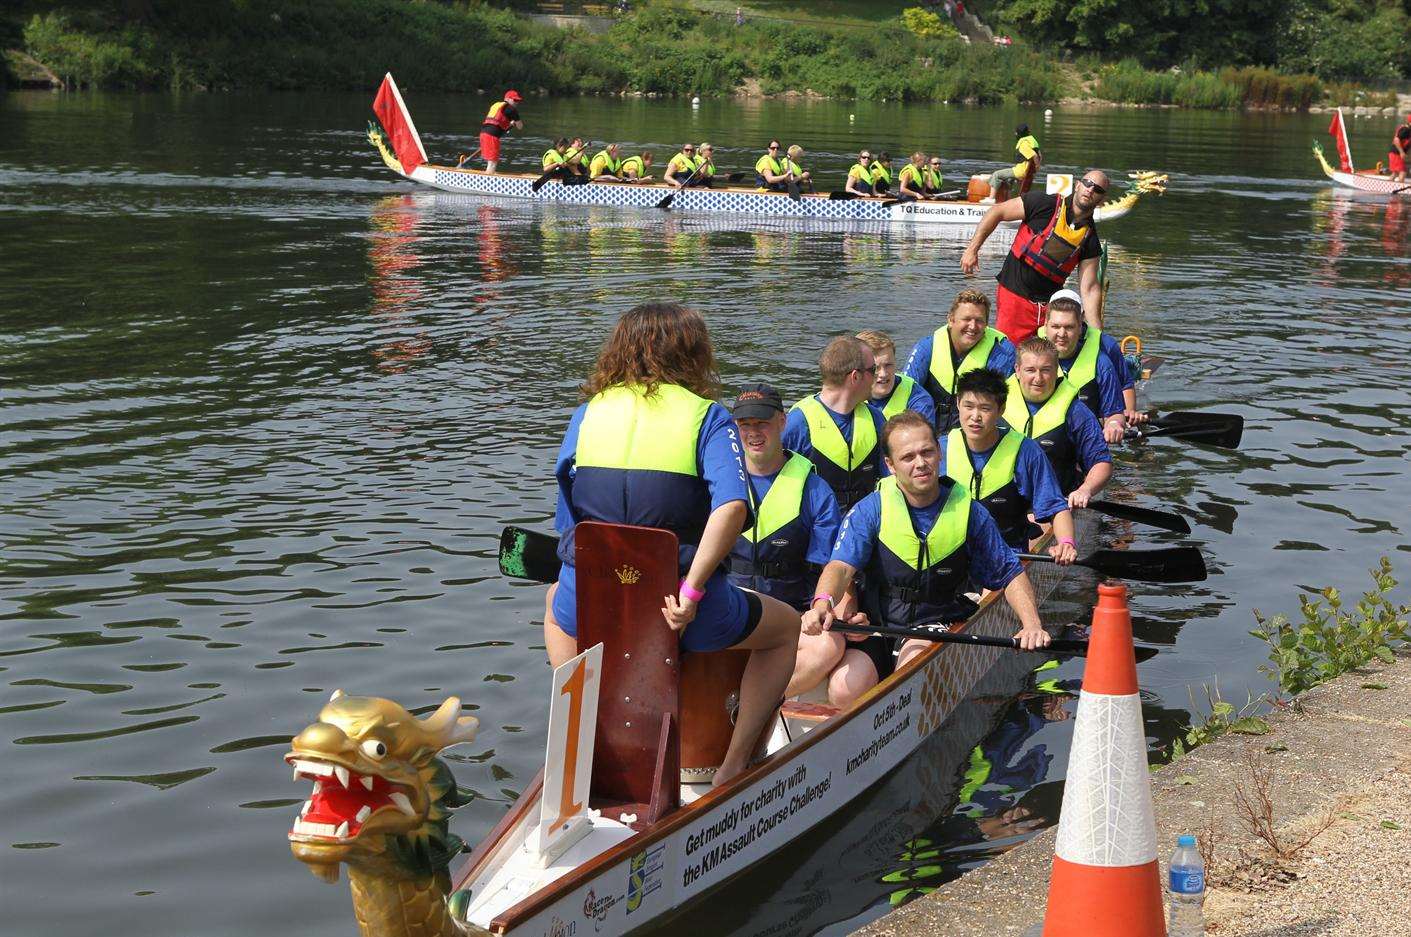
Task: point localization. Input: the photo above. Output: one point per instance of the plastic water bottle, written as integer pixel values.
(1187, 887)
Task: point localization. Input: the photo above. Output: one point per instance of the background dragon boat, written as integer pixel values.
(401, 149)
(1365, 180)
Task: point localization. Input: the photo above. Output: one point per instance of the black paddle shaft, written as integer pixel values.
(945, 636)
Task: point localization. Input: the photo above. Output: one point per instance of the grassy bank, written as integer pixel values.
(662, 48)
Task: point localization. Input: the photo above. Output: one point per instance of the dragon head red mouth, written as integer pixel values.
(344, 802)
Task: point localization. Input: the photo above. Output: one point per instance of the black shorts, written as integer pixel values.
(881, 651)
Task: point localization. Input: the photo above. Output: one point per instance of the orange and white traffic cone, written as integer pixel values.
(1106, 882)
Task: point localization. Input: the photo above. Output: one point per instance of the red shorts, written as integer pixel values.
(1396, 162)
(1016, 316)
(489, 147)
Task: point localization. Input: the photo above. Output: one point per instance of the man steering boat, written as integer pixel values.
(1056, 236)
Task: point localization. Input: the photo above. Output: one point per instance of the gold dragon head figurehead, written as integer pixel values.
(381, 798)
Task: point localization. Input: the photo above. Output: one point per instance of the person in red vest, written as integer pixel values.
(1400, 150)
(1056, 236)
(502, 116)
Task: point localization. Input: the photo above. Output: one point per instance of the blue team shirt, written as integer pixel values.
(819, 511)
(1086, 433)
(920, 401)
(718, 460)
(1112, 349)
(918, 365)
(796, 433)
(1032, 474)
(992, 562)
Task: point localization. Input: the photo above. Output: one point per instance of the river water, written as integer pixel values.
(264, 409)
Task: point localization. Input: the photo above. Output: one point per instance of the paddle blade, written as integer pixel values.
(1163, 520)
(666, 201)
(842, 195)
(528, 554)
(734, 177)
(1224, 430)
(793, 187)
(1174, 564)
(538, 184)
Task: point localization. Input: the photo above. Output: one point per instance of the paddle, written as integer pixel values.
(557, 172)
(792, 185)
(938, 633)
(528, 554)
(1152, 518)
(665, 203)
(466, 157)
(841, 195)
(1213, 429)
(1171, 564)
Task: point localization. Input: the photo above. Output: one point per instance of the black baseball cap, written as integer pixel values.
(757, 402)
(1021, 130)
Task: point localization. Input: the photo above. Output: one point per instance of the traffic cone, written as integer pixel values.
(1106, 882)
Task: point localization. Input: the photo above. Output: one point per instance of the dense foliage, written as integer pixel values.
(1129, 83)
(1366, 39)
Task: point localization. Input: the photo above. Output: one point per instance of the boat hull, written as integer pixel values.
(715, 201)
(1370, 181)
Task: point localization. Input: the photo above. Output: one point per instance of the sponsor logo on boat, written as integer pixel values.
(558, 928)
(628, 575)
(595, 908)
(644, 875)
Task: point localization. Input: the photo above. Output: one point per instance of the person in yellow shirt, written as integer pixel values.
(860, 176)
(911, 181)
(1026, 148)
(770, 171)
(606, 167)
(634, 168)
(681, 167)
(705, 166)
(794, 170)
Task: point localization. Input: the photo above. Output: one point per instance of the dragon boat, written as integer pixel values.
(622, 829)
(1364, 180)
(401, 149)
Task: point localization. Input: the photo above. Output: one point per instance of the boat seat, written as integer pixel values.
(808, 712)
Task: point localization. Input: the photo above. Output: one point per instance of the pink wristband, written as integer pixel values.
(821, 595)
(1067, 541)
(695, 595)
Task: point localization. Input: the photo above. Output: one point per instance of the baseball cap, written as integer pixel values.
(1021, 130)
(757, 402)
(1067, 294)
(513, 95)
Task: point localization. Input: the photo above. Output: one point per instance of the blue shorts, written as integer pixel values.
(726, 616)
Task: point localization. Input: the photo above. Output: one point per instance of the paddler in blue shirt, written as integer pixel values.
(892, 392)
(1003, 469)
(1046, 408)
(835, 429)
(1085, 366)
(650, 448)
(795, 516)
(965, 342)
(1111, 349)
(921, 540)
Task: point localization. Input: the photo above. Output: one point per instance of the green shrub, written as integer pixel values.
(85, 61)
(1206, 90)
(927, 24)
(1330, 641)
(1128, 83)
(1263, 87)
(1351, 94)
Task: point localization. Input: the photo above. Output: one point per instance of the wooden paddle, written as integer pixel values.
(1224, 430)
(1171, 564)
(1164, 520)
(942, 634)
(558, 172)
(665, 203)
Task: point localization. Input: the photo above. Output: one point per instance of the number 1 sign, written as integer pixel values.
(568, 761)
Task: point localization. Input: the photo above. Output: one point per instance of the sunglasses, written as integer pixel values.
(1094, 187)
(937, 164)
(773, 147)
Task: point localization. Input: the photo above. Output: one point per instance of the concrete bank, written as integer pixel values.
(1341, 757)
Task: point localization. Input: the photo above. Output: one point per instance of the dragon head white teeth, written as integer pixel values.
(364, 813)
(400, 801)
(342, 831)
(367, 781)
(342, 773)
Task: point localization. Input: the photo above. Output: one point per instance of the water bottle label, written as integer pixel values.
(1187, 881)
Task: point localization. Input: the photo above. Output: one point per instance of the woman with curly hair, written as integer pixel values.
(650, 447)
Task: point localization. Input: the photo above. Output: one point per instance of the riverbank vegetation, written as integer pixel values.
(888, 51)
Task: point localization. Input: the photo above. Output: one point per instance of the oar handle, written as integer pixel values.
(959, 637)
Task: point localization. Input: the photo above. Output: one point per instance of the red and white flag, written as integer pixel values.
(1339, 131)
(392, 113)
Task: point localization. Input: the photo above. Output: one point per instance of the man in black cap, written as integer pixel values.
(1026, 148)
(794, 514)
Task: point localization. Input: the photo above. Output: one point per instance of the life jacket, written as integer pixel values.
(1083, 373)
(911, 581)
(571, 154)
(1048, 426)
(880, 173)
(769, 555)
(943, 373)
(604, 163)
(636, 464)
(1402, 136)
(703, 168)
(862, 173)
(551, 158)
(850, 470)
(682, 164)
(1054, 251)
(793, 167)
(995, 486)
(933, 179)
(496, 116)
(1021, 162)
(899, 399)
(911, 175)
(634, 163)
(767, 163)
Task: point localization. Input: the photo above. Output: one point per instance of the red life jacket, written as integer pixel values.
(1051, 256)
(1403, 135)
(496, 117)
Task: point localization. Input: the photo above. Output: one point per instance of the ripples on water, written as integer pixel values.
(265, 411)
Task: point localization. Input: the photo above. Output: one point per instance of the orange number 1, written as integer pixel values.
(573, 686)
